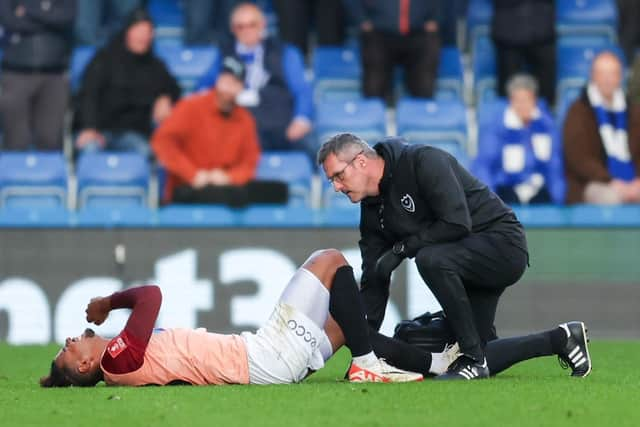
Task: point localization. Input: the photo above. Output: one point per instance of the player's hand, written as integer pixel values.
(385, 266)
(98, 310)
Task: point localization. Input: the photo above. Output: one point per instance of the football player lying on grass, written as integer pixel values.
(319, 311)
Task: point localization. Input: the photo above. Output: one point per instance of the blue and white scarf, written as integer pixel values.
(612, 124)
(256, 77)
(526, 152)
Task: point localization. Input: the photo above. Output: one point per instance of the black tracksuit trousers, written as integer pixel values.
(468, 277)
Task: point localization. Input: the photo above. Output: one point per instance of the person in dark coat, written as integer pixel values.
(524, 35)
(126, 91)
(34, 82)
(417, 201)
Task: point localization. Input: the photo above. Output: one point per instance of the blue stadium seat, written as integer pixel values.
(450, 83)
(80, 58)
(167, 17)
(33, 179)
(541, 216)
(343, 215)
(187, 64)
(487, 110)
(484, 69)
(292, 167)
(364, 117)
(479, 13)
(604, 216)
(40, 217)
(587, 17)
(336, 72)
(114, 216)
(280, 216)
(112, 179)
(196, 216)
(432, 122)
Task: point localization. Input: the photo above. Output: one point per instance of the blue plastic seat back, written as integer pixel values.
(112, 169)
(292, 167)
(280, 216)
(33, 179)
(365, 117)
(484, 69)
(187, 64)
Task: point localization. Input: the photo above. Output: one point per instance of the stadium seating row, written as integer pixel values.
(181, 216)
(42, 180)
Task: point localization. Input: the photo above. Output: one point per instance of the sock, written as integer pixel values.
(439, 363)
(347, 309)
(366, 360)
(558, 339)
(506, 352)
(400, 354)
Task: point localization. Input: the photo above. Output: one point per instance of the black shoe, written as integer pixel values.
(575, 353)
(465, 368)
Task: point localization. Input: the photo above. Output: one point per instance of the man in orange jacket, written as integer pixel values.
(208, 144)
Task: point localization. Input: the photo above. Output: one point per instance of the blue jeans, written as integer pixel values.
(121, 141)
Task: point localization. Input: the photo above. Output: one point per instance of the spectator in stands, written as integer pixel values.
(98, 21)
(628, 29)
(397, 32)
(276, 91)
(207, 21)
(519, 154)
(297, 18)
(34, 83)
(208, 144)
(602, 139)
(126, 91)
(452, 11)
(525, 38)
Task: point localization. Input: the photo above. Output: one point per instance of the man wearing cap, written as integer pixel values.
(275, 89)
(209, 144)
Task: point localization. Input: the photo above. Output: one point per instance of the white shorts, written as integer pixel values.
(290, 344)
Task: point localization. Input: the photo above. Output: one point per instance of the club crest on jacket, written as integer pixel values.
(407, 203)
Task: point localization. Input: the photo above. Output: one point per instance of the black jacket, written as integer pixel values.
(119, 88)
(426, 197)
(523, 22)
(385, 14)
(41, 39)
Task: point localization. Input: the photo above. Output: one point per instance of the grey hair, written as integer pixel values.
(522, 81)
(343, 143)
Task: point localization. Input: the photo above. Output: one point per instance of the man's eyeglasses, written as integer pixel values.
(339, 176)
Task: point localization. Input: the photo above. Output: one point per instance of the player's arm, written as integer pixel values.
(127, 352)
(374, 287)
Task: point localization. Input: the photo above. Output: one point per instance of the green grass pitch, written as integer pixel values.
(534, 393)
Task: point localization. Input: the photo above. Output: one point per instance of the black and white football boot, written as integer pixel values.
(465, 368)
(575, 354)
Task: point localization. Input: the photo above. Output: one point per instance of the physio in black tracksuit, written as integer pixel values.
(418, 201)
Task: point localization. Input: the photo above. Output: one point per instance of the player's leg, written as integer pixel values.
(568, 341)
(347, 321)
(451, 270)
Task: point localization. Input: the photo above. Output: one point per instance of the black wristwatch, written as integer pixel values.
(398, 248)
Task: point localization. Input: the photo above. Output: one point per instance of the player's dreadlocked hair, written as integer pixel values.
(60, 377)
